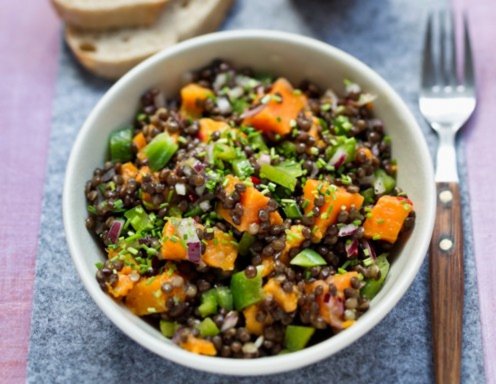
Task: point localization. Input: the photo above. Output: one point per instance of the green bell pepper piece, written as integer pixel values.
(308, 258)
(168, 328)
(224, 152)
(208, 328)
(224, 298)
(246, 291)
(208, 304)
(287, 149)
(368, 196)
(257, 142)
(285, 174)
(242, 168)
(342, 125)
(372, 287)
(160, 150)
(291, 209)
(245, 243)
(139, 219)
(383, 183)
(239, 105)
(195, 211)
(297, 337)
(120, 145)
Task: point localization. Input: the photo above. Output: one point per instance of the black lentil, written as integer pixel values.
(194, 185)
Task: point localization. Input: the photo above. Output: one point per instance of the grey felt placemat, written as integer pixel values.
(73, 342)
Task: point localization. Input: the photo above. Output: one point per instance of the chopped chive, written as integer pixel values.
(132, 250)
(151, 280)
(325, 107)
(265, 99)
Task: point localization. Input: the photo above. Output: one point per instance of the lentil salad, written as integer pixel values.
(248, 218)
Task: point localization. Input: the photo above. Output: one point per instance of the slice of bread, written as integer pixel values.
(110, 54)
(107, 14)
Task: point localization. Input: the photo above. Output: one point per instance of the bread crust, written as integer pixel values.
(84, 45)
(142, 13)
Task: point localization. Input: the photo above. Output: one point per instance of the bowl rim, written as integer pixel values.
(265, 365)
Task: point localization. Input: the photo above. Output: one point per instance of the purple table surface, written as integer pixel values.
(480, 138)
(28, 68)
(29, 40)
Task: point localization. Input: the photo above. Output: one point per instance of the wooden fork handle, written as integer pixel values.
(446, 277)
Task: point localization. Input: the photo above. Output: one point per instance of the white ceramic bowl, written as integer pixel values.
(279, 53)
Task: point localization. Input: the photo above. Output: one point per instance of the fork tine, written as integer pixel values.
(442, 48)
(468, 72)
(428, 70)
(451, 72)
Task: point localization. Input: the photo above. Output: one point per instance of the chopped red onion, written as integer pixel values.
(338, 158)
(347, 230)
(224, 105)
(235, 93)
(199, 190)
(198, 167)
(260, 90)
(331, 97)
(186, 229)
(375, 150)
(264, 159)
(365, 98)
(230, 321)
(336, 311)
(107, 176)
(252, 112)
(181, 189)
(219, 81)
(115, 230)
(187, 171)
(370, 250)
(353, 88)
(176, 339)
(259, 341)
(190, 165)
(246, 82)
(194, 252)
(205, 205)
(351, 248)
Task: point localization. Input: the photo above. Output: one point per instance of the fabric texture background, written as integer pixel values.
(72, 341)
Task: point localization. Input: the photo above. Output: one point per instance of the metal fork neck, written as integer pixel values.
(446, 167)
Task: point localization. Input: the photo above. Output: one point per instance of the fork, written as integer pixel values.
(446, 101)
